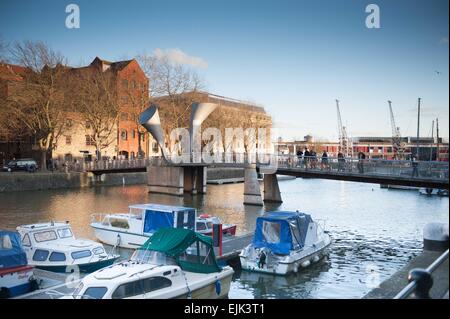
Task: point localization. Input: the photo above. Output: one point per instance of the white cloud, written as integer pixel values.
(444, 40)
(177, 56)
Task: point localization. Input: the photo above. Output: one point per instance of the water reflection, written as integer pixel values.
(375, 231)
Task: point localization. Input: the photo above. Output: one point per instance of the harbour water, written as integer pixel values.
(375, 231)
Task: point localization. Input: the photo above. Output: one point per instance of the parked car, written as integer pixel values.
(22, 164)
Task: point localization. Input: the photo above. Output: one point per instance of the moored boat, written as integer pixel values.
(132, 229)
(52, 246)
(284, 242)
(16, 276)
(173, 263)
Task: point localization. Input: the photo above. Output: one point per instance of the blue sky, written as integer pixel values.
(293, 57)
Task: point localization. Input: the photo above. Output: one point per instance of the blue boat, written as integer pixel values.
(284, 242)
(16, 276)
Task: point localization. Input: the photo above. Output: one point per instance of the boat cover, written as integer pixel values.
(281, 232)
(162, 216)
(11, 252)
(192, 251)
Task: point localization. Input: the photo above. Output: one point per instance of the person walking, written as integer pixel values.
(324, 164)
(341, 162)
(361, 158)
(306, 156)
(299, 157)
(415, 166)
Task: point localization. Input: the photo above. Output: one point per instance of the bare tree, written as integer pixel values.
(95, 98)
(173, 87)
(3, 50)
(36, 106)
(137, 97)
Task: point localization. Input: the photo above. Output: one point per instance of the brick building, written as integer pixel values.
(76, 142)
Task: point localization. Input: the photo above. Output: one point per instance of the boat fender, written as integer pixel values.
(296, 268)
(118, 240)
(306, 263)
(316, 258)
(218, 287)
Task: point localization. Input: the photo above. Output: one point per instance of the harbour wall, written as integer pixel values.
(19, 181)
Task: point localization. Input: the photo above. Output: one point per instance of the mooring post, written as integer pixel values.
(271, 189)
(252, 191)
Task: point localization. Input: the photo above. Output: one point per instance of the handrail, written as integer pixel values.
(421, 280)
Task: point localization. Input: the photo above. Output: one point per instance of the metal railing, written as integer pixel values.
(421, 280)
(430, 170)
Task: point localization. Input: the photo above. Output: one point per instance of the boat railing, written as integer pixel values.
(57, 294)
(98, 217)
(421, 280)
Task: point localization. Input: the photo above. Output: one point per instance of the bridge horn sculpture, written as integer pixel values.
(172, 178)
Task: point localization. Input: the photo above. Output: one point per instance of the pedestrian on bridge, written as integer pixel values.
(299, 157)
(415, 166)
(361, 158)
(341, 162)
(306, 156)
(324, 164)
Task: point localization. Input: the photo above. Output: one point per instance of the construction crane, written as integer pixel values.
(343, 139)
(397, 144)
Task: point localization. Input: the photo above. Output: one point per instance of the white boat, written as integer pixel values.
(285, 242)
(16, 276)
(173, 263)
(52, 246)
(132, 229)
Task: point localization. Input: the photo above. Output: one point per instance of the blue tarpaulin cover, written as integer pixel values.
(281, 232)
(164, 216)
(11, 252)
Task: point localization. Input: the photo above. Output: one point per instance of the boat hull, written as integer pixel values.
(284, 268)
(118, 238)
(16, 281)
(83, 268)
(209, 291)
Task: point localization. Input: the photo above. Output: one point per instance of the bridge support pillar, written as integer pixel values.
(271, 189)
(252, 191)
(177, 180)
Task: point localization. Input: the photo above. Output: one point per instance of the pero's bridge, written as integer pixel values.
(179, 174)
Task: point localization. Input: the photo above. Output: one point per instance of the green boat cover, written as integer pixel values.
(192, 251)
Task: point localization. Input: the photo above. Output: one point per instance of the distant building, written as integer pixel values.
(372, 147)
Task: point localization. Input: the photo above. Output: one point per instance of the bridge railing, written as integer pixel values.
(348, 166)
(400, 168)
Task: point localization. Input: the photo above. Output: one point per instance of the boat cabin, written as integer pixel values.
(282, 232)
(148, 218)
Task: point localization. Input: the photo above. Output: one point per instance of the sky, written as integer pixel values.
(295, 58)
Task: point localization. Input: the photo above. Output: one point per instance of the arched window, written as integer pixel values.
(124, 135)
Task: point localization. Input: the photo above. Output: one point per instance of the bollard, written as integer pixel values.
(217, 237)
(424, 282)
(435, 237)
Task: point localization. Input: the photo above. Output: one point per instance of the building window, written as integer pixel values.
(68, 140)
(123, 135)
(69, 123)
(90, 140)
(155, 147)
(87, 125)
(123, 116)
(133, 134)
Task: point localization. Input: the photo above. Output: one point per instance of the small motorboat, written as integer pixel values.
(16, 276)
(132, 229)
(284, 242)
(173, 263)
(205, 223)
(52, 246)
